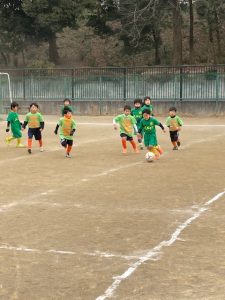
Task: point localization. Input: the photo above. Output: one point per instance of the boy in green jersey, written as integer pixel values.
(67, 127)
(147, 105)
(66, 104)
(174, 123)
(147, 128)
(35, 122)
(14, 123)
(127, 125)
(136, 112)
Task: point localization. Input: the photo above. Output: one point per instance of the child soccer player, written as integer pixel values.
(13, 121)
(127, 123)
(66, 104)
(147, 104)
(174, 123)
(147, 127)
(136, 112)
(35, 122)
(67, 128)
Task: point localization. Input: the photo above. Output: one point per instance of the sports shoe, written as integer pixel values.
(7, 141)
(178, 143)
(136, 151)
(29, 151)
(20, 146)
(68, 155)
(141, 146)
(124, 151)
(41, 149)
(175, 148)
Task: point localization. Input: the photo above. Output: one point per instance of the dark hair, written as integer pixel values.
(66, 110)
(138, 100)
(35, 104)
(127, 107)
(67, 99)
(14, 104)
(147, 97)
(173, 108)
(146, 111)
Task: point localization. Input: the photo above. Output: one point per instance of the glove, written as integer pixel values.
(72, 132)
(7, 130)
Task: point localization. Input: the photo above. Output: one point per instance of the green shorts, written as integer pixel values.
(16, 133)
(150, 140)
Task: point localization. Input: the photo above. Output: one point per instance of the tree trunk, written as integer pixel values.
(4, 58)
(157, 43)
(53, 50)
(177, 32)
(191, 33)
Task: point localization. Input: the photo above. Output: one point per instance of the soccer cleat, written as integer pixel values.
(178, 143)
(29, 151)
(68, 155)
(175, 148)
(41, 149)
(20, 146)
(136, 151)
(124, 151)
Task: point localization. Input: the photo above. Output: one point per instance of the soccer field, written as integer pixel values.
(103, 225)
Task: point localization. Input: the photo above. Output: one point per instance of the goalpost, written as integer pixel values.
(10, 91)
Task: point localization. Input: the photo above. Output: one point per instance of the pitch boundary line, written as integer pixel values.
(155, 252)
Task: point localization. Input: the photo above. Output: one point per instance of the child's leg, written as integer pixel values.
(9, 139)
(154, 150)
(69, 147)
(124, 144)
(19, 144)
(160, 150)
(140, 143)
(134, 145)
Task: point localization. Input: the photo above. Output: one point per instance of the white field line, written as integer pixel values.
(111, 124)
(64, 252)
(77, 144)
(11, 205)
(157, 250)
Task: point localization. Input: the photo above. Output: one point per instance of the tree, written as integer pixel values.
(14, 26)
(50, 17)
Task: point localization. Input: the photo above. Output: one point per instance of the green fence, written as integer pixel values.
(161, 83)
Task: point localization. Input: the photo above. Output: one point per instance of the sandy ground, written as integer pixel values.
(103, 225)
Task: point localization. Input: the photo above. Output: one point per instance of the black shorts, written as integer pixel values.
(174, 136)
(65, 142)
(34, 132)
(129, 138)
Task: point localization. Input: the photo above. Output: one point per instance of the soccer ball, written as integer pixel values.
(150, 156)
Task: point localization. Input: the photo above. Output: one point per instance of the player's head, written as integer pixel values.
(67, 112)
(146, 114)
(172, 111)
(66, 102)
(34, 107)
(137, 103)
(127, 110)
(147, 100)
(14, 106)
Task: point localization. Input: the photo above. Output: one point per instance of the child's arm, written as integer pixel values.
(114, 124)
(42, 125)
(8, 125)
(162, 127)
(56, 129)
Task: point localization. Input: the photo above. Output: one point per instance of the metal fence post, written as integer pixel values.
(124, 84)
(181, 83)
(72, 83)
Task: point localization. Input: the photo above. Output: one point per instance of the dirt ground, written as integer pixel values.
(103, 225)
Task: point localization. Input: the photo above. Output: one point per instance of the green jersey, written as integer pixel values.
(150, 107)
(13, 118)
(147, 127)
(67, 106)
(66, 126)
(126, 124)
(34, 120)
(137, 114)
(174, 123)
